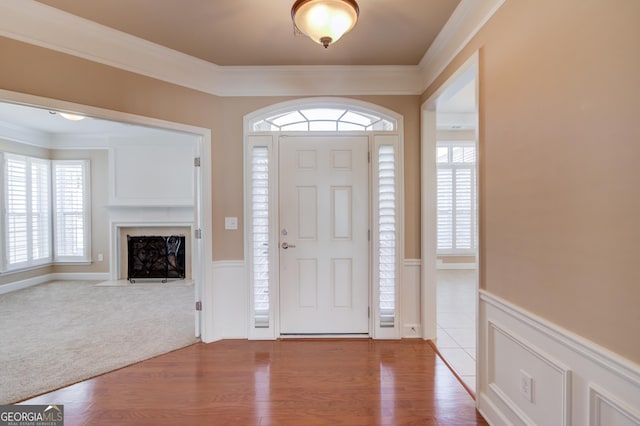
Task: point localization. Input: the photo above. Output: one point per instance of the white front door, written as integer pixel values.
(324, 225)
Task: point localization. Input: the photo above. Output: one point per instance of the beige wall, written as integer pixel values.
(559, 143)
(34, 70)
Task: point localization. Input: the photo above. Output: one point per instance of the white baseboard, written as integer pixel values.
(574, 381)
(41, 279)
(81, 276)
(29, 282)
(443, 265)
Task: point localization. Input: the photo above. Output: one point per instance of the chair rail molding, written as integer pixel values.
(571, 380)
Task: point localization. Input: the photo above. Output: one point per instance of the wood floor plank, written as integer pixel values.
(285, 382)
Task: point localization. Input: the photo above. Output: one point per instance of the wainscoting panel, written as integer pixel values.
(533, 386)
(152, 170)
(228, 303)
(410, 299)
(608, 410)
(531, 371)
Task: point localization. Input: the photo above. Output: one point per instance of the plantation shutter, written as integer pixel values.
(456, 198)
(260, 232)
(40, 210)
(445, 209)
(71, 201)
(387, 234)
(464, 210)
(27, 211)
(17, 237)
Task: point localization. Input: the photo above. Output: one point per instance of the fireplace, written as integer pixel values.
(155, 257)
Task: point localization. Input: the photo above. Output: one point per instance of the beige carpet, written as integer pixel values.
(59, 333)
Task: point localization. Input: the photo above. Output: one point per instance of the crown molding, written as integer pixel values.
(38, 24)
(464, 23)
(15, 133)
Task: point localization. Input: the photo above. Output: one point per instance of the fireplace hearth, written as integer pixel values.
(153, 257)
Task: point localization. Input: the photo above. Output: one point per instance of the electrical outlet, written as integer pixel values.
(526, 385)
(100, 257)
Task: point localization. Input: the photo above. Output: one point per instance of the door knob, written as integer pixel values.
(287, 245)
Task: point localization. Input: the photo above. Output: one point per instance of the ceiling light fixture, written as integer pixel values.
(72, 117)
(325, 21)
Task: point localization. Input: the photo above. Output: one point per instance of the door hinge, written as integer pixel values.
(369, 312)
(369, 235)
(198, 305)
(198, 234)
(369, 156)
(196, 162)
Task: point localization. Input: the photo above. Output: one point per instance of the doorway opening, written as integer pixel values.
(323, 228)
(450, 221)
(114, 140)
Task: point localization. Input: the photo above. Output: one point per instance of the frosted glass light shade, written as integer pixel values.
(325, 21)
(72, 117)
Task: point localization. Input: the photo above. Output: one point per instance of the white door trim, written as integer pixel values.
(429, 196)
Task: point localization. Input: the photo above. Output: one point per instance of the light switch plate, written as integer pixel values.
(231, 223)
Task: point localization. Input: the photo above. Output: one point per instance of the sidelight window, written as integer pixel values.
(260, 234)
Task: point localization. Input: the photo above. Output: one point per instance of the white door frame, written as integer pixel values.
(428, 196)
(375, 140)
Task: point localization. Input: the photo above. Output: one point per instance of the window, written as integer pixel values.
(32, 214)
(260, 232)
(71, 210)
(324, 119)
(387, 234)
(27, 236)
(456, 197)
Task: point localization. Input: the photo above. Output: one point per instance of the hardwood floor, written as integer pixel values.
(286, 382)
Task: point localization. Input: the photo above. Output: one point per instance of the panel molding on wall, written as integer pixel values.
(596, 386)
(410, 299)
(152, 172)
(228, 302)
(605, 409)
(516, 348)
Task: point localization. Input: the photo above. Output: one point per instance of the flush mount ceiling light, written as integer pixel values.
(325, 21)
(70, 117)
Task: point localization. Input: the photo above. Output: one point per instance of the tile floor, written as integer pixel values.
(457, 321)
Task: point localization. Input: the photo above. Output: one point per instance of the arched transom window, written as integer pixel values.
(328, 119)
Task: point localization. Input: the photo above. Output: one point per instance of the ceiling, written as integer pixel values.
(260, 32)
(254, 33)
